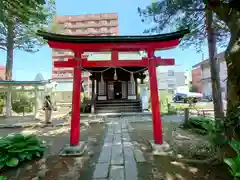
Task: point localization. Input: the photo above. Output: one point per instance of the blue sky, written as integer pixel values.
(27, 65)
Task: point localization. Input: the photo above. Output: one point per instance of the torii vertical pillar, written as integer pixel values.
(76, 147)
(156, 117)
(76, 99)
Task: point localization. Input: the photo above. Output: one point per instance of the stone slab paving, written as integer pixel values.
(119, 156)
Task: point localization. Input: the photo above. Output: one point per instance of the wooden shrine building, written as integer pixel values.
(115, 78)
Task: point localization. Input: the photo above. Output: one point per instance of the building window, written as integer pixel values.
(104, 22)
(73, 23)
(170, 73)
(171, 85)
(95, 29)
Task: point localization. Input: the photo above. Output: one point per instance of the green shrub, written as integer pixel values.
(16, 148)
(2, 97)
(201, 123)
(22, 103)
(234, 163)
(1, 107)
(3, 178)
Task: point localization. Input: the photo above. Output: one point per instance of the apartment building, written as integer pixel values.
(206, 76)
(169, 79)
(84, 25)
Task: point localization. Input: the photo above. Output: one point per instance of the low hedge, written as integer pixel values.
(16, 148)
(201, 123)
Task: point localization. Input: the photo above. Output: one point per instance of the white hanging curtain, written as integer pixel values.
(132, 78)
(115, 75)
(102, 81)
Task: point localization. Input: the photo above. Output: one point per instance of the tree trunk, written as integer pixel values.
(231, 18)
(232, 55)
(9, 64)
(214, 67)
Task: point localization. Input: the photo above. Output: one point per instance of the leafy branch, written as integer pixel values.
(180, 14)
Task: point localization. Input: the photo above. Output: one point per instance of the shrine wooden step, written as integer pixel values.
(118, 106)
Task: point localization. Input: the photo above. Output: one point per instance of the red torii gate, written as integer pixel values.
(115, 44)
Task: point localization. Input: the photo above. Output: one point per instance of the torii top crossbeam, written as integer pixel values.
(113, 43)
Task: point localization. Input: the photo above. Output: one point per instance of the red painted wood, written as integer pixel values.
(120, 63)
(76, 99)
(114, 47)
(70, 63)
(114, 57)
(156, 116)
(164, 62)
(93, 47)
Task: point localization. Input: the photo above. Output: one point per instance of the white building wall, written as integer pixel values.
(188, 77)
(206, 77)
(207, 88)
(169, 79)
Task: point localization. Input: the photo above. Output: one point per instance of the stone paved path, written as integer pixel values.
(118, 158)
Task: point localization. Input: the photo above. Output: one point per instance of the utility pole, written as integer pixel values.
(214, 66)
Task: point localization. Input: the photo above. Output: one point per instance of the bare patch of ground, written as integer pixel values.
(183, 144)
(54, 167)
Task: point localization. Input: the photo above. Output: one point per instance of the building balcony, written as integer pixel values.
(61, 77)
(67, 76)
(87, 33)
(91, 25)
(84, 18)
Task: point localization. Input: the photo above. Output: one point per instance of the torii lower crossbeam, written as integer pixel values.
(71, 63)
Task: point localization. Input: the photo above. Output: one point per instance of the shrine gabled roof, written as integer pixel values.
(113, 39)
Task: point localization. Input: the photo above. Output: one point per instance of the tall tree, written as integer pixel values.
(19, 32)
(23, 9)
(214, 66)
(178, 14)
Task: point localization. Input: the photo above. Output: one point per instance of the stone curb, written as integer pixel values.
(3, 126)
(31, 125)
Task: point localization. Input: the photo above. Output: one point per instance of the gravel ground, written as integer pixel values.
(54, 167)
(181, 142)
